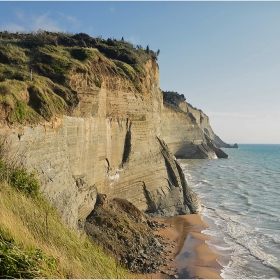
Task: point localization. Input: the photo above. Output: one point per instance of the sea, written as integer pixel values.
(240, 197)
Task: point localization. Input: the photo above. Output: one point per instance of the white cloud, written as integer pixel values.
(19, 14)
(13, 27)
(24, 21)
(45, 22)
(69, 18)
(135, 40)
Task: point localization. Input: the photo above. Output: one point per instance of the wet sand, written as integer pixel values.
(188, 252)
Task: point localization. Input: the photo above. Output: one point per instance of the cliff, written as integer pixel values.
(197, 139)
(90, 119)
(197, 118)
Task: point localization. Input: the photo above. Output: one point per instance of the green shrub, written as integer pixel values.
(4, 89)
(25, 182)
(2, 77)
(20, 76)
(53, 63)
(20, 111)
(173, 97)
(15, 263)
(12, 54)
(79, 54)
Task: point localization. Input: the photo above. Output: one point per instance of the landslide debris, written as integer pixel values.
(127, 233)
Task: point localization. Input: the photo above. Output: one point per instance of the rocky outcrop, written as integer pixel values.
(221, 144)
(127, 233)
(111, 143)
(100, 126)
(220, 153)
(194, 141)
(203, 122)
(190, 142)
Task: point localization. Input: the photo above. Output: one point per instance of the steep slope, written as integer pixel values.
(204, 123)
(35, 244)
(196, 139)
(89, 123)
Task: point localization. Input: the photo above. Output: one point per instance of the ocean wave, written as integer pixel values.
(267, 214)
(245, 197)
(206, 182)
(233, 264)
(227, 167)
(243, 193)
(273, 238)
(251, 239)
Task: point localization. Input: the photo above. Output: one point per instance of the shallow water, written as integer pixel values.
(240, 197)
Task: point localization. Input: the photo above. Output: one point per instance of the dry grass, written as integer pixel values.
(34, 224)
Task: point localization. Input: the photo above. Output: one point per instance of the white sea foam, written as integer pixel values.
(242, 205)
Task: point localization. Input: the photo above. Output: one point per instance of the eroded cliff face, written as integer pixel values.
(114, 142)
(203, 122)
(197, 139)
(188, 142)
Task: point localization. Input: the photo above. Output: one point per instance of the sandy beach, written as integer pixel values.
(193, 258)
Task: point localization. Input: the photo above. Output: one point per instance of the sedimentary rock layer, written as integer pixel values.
(106, 131)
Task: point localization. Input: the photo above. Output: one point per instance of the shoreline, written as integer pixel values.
(189, 256)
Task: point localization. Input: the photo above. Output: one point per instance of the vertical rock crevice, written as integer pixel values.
(189, 198)
(170, 164)
(150, 202)
(127, 143)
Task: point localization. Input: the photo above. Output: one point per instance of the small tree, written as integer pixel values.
(147, 49)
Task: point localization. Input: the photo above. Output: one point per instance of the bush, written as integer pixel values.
(2, 77)
(79, 53)
(19, 178)
(84, 54)
(25, 182)
(4, 89)
(173, 97)
(15, 263)
(20, 111)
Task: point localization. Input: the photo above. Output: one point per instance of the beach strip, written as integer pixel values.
(189, 252)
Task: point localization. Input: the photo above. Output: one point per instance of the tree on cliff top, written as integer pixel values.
(115, 49)
(173, 97)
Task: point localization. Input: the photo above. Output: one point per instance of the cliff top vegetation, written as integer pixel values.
(175, 98)
(35, 70)
(112, 48)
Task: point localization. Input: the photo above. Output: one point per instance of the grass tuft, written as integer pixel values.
(34, 243)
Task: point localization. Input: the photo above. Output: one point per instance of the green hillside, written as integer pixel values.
(39, 65)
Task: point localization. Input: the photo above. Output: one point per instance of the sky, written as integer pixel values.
(223, 56)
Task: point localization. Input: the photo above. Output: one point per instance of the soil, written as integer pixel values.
(130, 236)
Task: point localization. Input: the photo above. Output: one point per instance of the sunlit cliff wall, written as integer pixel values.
(111, 144)
(92, 120)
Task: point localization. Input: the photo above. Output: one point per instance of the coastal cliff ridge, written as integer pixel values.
(87, 114)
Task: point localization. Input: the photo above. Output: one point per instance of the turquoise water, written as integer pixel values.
(241, 203)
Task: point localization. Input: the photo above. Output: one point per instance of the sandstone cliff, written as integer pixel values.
(189, 142)
(203, 122)
(197, 139)
(92, 123)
